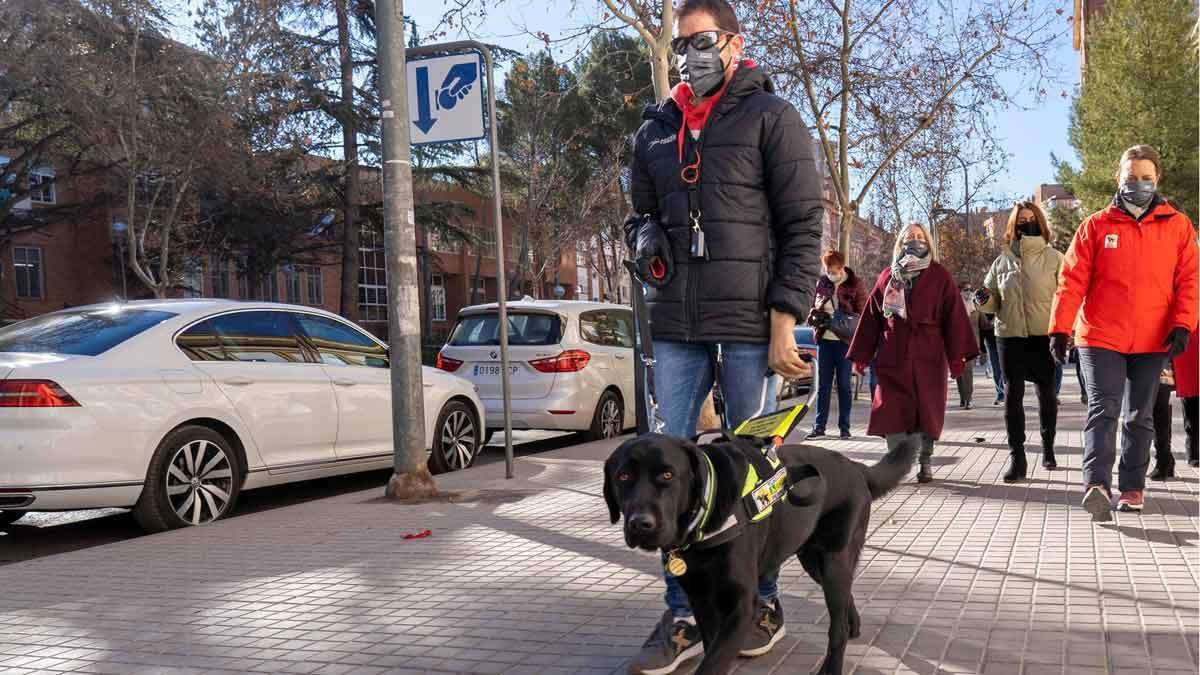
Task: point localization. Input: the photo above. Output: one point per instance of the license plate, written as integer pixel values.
(487, 369)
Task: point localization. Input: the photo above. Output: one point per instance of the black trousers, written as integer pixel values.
(1191, 426)
(1162, 423)
(1028, 359)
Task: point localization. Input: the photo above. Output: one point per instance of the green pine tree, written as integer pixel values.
(1139, 86)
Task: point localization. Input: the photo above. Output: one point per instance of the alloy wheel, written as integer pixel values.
(199, 482)
(610, 419)
(458, 438)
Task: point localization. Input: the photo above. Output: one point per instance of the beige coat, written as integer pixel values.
(1022, 282)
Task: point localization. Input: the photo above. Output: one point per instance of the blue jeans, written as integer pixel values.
(831, 361)
(1058, 373)
(683, 376)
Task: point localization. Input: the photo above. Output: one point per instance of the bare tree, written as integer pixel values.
(873, 75)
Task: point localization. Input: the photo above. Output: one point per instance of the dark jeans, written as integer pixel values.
(1191, 425)
(1162, 422)
(832, 361)
(683, 376)
(1028, 359)
(1058, 374)
(1119, 385)
(989, 343)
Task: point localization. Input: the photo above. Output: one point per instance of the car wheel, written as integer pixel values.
(194, 479)
(455, 440)
(9, 517)
(609, 419)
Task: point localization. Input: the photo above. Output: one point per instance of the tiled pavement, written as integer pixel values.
(964, 575)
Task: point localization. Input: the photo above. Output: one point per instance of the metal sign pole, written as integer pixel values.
(501, 278)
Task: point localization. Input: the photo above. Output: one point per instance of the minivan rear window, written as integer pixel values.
(84, 333)
(478, 330)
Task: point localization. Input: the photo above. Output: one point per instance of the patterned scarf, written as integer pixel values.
(904, 269)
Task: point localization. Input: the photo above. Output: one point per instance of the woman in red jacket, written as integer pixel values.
(1130, 277)
(1187, 387)
(838, 291)
(916, 330)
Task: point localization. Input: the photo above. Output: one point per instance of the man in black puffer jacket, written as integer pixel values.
(727, 234)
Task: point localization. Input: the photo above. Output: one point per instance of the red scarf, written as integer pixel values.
(696, 116)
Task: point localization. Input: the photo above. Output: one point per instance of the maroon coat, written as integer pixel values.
(912, 355)
(851, 295)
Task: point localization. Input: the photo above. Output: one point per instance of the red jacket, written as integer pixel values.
(1133, 280)
(912, 356)
(1187, 369)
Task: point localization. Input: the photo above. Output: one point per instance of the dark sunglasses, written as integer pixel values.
(704, 39)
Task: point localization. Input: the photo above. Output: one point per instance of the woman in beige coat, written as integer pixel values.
(1019, 290)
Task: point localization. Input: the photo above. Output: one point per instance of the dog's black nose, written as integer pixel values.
(643, 523)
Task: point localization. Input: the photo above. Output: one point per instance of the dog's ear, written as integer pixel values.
(806, 485)
(610, 492)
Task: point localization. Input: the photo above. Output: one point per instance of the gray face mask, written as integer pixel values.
(916, 248)
(703, 70)
(1138, 192)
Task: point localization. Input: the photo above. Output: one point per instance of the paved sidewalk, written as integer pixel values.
(964, 575)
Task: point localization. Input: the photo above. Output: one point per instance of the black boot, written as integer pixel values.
(1016, 468)
(1048, 460)
(924, 473)
(1164, 466)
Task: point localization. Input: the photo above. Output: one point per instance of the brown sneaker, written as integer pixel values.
(1130, 501)
(1097, 500)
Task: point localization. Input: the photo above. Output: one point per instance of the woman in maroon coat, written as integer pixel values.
(916, 329)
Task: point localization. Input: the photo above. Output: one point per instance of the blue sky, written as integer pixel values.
(1030, 136)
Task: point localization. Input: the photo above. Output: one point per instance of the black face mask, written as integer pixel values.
(703, 70)
(1028, 228)
(916, 248)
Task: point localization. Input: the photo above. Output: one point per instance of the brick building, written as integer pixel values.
(46, 265)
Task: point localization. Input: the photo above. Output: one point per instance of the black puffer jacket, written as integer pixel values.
(761, 200)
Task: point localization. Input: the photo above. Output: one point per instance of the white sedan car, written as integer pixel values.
(173, 407)
(571, 364)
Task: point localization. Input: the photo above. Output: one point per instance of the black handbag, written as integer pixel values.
(844, 324)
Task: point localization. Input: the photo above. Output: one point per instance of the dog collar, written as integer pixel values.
(695, 529)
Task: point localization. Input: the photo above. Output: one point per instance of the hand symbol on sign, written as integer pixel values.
(457, 85)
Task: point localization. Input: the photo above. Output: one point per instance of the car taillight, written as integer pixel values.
(447, 364)
(34, 394)
(570, 361)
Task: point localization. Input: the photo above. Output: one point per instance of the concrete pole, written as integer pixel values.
(411, 479)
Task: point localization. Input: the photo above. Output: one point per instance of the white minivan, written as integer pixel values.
(571, 364)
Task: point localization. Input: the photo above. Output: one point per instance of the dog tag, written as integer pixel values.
(698, 249)
(675, 565)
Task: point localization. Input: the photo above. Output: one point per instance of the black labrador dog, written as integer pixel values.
(661, 485)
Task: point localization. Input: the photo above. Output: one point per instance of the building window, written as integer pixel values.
(27, 267)
(437, 297)
(41, 186)
(372, 279)
(316, 292)
(444, 243)
(193, 281)
(218, 276)
(266, 287)
(485, 242)
(291, 284)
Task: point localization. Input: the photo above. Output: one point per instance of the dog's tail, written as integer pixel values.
(887, 473)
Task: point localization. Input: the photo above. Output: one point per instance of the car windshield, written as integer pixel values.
(85, 332)
(479, 330)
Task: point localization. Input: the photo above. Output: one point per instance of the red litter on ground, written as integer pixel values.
(418, 535)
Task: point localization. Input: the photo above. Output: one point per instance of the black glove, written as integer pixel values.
(1176, 342)
(1058, 347)
(818, 318)
(632, 223)
(982, 296)
(652, 254)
